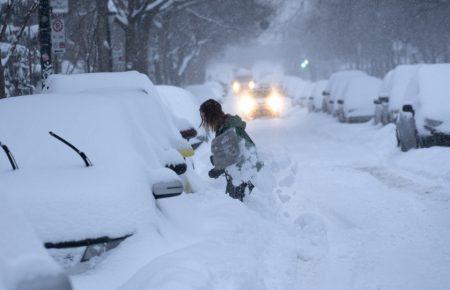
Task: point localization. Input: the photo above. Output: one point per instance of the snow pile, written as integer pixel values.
(206, 91)
(182, 104)
(317, 93)
(359, 94)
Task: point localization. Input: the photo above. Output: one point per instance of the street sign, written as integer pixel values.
(59, 6)
(58, 34)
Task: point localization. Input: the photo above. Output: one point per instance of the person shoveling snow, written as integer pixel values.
(234, 152)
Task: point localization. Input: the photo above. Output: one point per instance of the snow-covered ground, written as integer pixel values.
(338, 207)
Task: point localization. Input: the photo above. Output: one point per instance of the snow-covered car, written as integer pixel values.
(392, 91)
(184, 108)
(206, 91)
(316, 98)
(295, 88)
(92, 182)
(425, 117)
(304, 95)
(264, 101)
(356, 103)
(24, 263)
(335, 88)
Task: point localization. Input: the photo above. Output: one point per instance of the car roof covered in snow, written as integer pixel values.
(127, 136)
(182, 104)
(206, 91)
(78, 83)
(429, 92)
(360, 93)
(338, 81)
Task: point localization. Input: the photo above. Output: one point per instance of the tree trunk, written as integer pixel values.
(2, 82)
(136, 45)
(104, 61)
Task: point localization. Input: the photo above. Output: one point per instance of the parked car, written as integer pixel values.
(24, 263)
(92, 182)
(316, 98)
(184, 108)
(305, 93)
(293, 87)
(335, 86)
(425, 117)
(356, 103)
(392, 92)
(380, 104)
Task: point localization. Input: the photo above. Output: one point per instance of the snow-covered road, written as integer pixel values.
(369, 216)
(339, 207)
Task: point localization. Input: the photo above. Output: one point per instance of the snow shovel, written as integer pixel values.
(225, 149)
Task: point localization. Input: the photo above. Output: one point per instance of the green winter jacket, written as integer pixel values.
(239, 125)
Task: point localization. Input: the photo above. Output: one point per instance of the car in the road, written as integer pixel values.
(94, 152)
(424, 120)
(243, 81)
(335, 87)
(356, 103)
(316, 98)
(264, 101)
(388, 104)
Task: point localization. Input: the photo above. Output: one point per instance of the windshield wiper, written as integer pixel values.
(83, 156)
(11, 159)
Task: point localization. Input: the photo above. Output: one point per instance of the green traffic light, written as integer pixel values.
(304, 64)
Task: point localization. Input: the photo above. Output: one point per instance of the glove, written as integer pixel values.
(215, 173)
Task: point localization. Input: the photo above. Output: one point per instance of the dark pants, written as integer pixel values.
(238, 192)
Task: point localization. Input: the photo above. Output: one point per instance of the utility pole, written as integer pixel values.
(45, 40)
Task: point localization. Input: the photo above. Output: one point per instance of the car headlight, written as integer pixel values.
(247, 104)
(251, 85)
(275, 102)
(236, 87)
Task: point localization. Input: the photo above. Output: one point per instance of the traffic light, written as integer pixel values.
(304, 64)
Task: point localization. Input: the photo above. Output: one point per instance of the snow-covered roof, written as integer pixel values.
(359, 94)
(126, 134)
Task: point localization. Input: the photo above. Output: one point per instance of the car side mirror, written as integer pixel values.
(408, 109)
(167, 189)
(377, 102)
